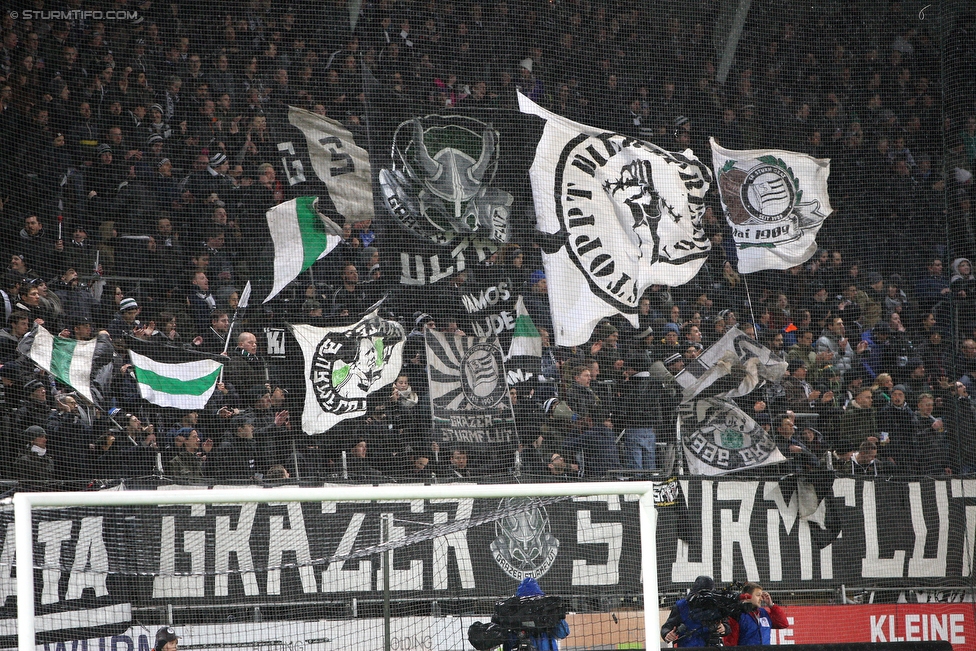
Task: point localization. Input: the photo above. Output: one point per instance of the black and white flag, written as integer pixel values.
(718, 437)
(345, 364)
(469, 402)
(337, 161)
(630, 214)
(731, 367)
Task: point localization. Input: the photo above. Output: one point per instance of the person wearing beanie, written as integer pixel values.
(686, 625)
(166, 639)
(530, 85)
(125, 322)
(157, 123)
(898, 427)
(102, 182)
(35, 464)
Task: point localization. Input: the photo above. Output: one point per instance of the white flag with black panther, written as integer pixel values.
(718, 438)
(775, 201)
(731, 367)
(345, 364)
(628, 213)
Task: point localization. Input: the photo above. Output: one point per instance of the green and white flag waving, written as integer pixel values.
(68, 360)
(301, 235)
(187, 385)
(775, 201)
(526, 340)
(524, 361)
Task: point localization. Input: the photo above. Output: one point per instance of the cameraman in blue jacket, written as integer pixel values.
(689, 626)
(545, 641)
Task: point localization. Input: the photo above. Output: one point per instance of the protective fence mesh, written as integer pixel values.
(331, 574)
(275, 243)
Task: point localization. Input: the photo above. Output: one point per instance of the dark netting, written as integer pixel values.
(287, 243)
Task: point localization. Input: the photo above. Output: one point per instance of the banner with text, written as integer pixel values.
(98, 566)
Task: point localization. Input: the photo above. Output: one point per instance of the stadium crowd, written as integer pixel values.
(140, 157)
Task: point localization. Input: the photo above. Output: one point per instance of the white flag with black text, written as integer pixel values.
(630, 215)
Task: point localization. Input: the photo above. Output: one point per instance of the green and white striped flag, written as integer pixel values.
(524, 361)
(526, 340)
(68, 360)
(187, 385)
(301, 235)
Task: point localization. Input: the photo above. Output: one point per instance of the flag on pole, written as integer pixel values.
(68, 360)
(775, 201)
(301, 235)
(526, 340)
(622, 214)
(344, 364)
(524, 361)
(187, 385)
(338, 162)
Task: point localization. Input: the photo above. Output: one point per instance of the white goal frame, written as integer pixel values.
(24, 503)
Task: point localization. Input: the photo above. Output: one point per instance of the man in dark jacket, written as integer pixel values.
(594, 443)
(10, 336)
(35, 465)
(691, 626)
(961, 414)
(898, 427)
(238, 458)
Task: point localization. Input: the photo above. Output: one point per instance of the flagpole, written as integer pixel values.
(241, 304)
(752, 312)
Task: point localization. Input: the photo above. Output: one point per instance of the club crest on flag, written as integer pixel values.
(767, 195)
(440, 185)
(475, 373)
(775, 201)
(482, 377)
(722, 438)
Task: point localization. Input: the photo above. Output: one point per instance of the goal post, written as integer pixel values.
(25, 502)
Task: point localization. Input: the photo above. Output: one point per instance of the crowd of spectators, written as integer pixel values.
(147, 151)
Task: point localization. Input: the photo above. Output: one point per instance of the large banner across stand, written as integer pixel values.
(115, 560)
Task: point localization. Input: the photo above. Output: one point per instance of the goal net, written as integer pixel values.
(396, 567)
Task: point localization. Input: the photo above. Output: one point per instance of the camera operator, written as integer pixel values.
(541, 640)
(759, 615)
(691, 626)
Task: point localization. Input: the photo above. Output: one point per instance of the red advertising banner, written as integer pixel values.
(955, 623)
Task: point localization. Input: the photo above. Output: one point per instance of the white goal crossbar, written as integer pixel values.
(25, 502)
